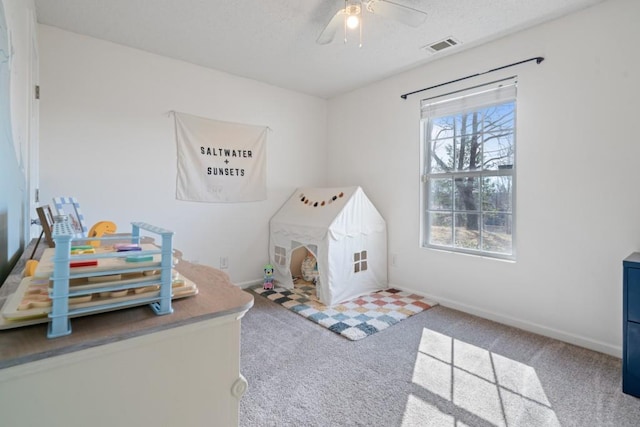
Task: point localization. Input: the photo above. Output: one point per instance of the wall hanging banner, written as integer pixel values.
(220, 161)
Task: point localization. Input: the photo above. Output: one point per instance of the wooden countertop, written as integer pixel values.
(217, 297)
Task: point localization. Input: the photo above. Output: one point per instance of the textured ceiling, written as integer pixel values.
(274, 41)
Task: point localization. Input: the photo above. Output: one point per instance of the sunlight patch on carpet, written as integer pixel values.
(482, 386)
(354, 319)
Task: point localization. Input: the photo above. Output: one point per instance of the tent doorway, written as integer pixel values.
(304, 265)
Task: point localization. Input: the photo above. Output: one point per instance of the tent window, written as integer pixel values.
(280, 255)
(359, 261)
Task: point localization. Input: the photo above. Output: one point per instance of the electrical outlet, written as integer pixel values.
(224, 262)
(394, 260)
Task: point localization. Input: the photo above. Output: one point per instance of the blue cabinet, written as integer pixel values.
(631, 325)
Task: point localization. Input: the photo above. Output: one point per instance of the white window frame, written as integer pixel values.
(495, 93)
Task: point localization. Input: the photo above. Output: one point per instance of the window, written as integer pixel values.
(280, 256)
(359, 261)
(468, 171)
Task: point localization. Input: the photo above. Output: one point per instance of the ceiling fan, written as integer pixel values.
(351, 16)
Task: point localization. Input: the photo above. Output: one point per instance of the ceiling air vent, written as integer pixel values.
(442, 44)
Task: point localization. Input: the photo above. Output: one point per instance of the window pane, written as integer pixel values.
(468, 123)
(498, 126)
(468, 153)
(441, 155)
(467, 194)
(496, 235)
(440, 229)
(496, 194)
(441, 194)
(498, 150)
(467, 231)
(499, 117)
(441, 128)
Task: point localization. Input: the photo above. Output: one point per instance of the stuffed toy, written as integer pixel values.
(309, 268)
(268, 277)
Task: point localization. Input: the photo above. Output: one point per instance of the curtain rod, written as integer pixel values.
(538, 60)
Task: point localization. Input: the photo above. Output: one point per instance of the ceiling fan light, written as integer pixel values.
(353, 21)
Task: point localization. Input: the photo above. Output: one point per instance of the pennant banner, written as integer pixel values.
(220, 161)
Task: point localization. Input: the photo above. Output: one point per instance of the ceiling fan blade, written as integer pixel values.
(329, 32)
(388, 9)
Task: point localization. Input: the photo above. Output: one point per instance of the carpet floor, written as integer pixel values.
(438, 368)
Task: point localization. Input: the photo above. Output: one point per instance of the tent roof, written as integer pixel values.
(312, 212)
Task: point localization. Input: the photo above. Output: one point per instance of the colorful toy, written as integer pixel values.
(268, 277)
(100, 229)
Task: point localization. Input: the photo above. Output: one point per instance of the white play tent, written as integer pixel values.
(344, 231)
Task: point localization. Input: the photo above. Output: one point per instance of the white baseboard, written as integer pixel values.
(546, 331)
(249, 283)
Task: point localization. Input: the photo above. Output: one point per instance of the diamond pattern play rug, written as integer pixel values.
(354, 319)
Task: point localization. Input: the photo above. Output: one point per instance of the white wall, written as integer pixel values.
(107, 140)
(578, 209)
